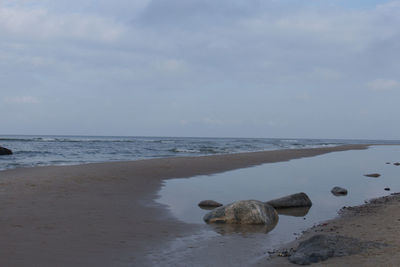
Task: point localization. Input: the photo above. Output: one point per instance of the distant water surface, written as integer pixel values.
(30, 151)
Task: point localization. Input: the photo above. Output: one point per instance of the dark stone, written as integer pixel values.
(295, 200)
(5, 151)
(321, 247)
(387, 189)
(374, 175)
(243, 212)
(339, 191)
(209, 204)
(397, 163)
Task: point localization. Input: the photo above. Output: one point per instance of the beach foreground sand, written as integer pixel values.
(377, 221)
(104, 214)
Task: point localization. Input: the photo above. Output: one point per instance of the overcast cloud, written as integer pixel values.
(249, 68)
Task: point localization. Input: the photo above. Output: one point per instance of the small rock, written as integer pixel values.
(375, 175)
(295, 200)
(387, 189)
(387, 162)
(210, 204)
(5, 151)
(339, 191)
(397, 163)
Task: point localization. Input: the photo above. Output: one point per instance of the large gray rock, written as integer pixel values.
(243, 212)
(5, 151)
(321, 247)
(339, 191)
(295, 200)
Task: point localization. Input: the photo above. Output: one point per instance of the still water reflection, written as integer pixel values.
(315, 176)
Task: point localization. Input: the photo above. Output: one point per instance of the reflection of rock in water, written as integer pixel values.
(224, 229)
(207, 208)
(295, 212)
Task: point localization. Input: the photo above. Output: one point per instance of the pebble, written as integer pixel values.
(375, 175)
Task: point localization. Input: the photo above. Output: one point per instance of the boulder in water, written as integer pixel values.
(291, 201)
(243, 212)
(5, 151)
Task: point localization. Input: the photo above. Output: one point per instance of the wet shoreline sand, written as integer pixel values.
(378, 220)
(104, 214)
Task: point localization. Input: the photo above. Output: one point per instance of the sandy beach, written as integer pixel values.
(104, 214)
(376, 221)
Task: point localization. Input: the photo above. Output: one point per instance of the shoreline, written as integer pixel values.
(215, 163)
(377, 220)
(104, 213)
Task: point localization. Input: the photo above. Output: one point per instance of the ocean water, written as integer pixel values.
(30, 151)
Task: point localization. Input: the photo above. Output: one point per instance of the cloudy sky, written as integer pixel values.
(242, 68)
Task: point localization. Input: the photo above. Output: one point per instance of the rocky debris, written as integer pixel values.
(374, 175)
(396, 163)
(209, 204)
(339, 191)
(321, 247)
(5, 151)
(295, 200)
(387, 189)
(244, 212)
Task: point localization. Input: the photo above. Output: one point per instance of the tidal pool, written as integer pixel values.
(315, 176)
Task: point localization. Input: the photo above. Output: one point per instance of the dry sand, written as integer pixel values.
(105, 214)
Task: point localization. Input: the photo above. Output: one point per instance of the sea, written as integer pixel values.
(40, 150)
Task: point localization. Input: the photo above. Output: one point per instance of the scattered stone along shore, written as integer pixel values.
(339, 191)
(5, 151)
(321, 247)
(365, 235)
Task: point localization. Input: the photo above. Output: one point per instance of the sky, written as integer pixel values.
(205, 68)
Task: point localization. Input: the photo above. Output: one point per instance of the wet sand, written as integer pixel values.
(104, 214)
(377, 221)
